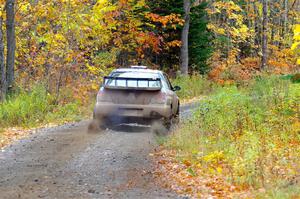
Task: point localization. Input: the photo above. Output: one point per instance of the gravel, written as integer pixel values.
(68, 162)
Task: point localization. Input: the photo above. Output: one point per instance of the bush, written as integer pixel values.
(193, 86)
(294, 78)
(34, 107)
(251, 133)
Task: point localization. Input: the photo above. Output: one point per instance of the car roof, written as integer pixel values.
(137, 70)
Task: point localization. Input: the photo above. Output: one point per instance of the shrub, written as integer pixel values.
(252, 133)
(29, 108)
(193, 86)
(294, 78)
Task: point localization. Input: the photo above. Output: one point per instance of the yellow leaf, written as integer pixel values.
(297, 29)
(221, 31)
(295, 45)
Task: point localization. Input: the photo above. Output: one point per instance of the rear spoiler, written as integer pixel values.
(124, 83)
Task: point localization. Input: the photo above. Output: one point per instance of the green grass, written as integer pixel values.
(35, 107)
(251, 134)
(193, 86)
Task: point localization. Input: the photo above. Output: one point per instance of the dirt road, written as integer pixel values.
(66, 162)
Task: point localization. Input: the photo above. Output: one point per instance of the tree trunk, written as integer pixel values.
(265, 35)
(11, 41)
(184, 51)
(285, 20)
(257, 27)
(3, 84)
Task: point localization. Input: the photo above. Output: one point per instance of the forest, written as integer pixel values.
(239, 53)
(64, 43)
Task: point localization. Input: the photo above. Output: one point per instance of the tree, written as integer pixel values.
(11, 42)
(168, 58)
(200, 48)
(184, 51)
(229, 30)
(2, 64)
(198, 41)
(265, 35)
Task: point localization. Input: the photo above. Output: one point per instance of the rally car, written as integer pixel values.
(137, 95)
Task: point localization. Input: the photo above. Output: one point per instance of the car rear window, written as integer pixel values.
(133, 83)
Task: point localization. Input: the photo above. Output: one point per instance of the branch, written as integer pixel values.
(198, 2)
(294, 4)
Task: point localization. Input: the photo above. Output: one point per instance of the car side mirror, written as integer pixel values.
(176, 88)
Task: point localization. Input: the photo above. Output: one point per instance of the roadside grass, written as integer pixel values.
(249, 135)
(193, 86)
(36, 107)
(291, 191)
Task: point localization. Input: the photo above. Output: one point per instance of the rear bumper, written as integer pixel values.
(152, 111)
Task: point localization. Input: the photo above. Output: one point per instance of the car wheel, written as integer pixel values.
(172, 122)
(175, 120)
(177, 116)
(104, 123)
(94, 115)
(158, 127)
(100, 123)
(169, 122)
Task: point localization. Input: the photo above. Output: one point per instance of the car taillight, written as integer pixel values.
(102, 97)
(160, 98)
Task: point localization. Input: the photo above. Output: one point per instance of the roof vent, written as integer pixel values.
(138, 67)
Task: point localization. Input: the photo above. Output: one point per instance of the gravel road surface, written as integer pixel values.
(67, 162)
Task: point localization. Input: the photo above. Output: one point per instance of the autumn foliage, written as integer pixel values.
(245, 135)
(72, 44)
(237, 29)
(241, 142)
(76, 42)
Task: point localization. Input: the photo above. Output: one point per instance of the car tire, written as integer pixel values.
(94, 115)
(104, 123)
(159, 128)
(172, 122)
(101, 122)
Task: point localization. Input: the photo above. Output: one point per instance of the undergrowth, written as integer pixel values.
(248, 135)
(193, 86)
(35, 107)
